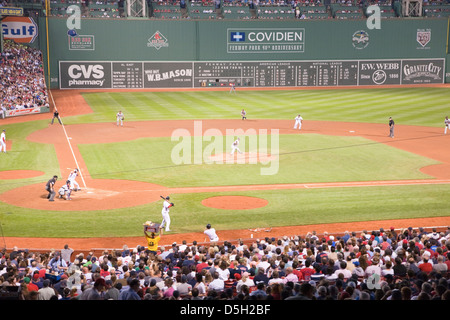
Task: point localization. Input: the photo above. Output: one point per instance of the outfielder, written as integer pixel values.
(232, 87)
(3, 141)
(72, 176)
(165, 213)
(119, 118)
(298, 122)
(243, 114)
(65, 190)
(235, 146)
(447, 125)
(211, 233)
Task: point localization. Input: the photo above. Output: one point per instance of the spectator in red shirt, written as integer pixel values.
(30, 285)
(425, 266)
(307, 270)
(204, 264)
(104, 272)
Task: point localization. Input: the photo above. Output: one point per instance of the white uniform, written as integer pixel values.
(211, 233)
(3, 142)
(447, 125)
(72, 176)
(165, 214)
(298, 122)
(235, 146)
(119, 118)
(65, 189)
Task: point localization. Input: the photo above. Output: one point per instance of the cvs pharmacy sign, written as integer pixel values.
(84, 75)
(20, 29)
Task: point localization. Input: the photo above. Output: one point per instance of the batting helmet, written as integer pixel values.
(167, 198)
(208, 226)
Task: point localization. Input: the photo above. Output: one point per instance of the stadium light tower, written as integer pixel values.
(412, 8)
(136, 8)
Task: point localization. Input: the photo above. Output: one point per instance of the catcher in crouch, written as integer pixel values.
(65, 190)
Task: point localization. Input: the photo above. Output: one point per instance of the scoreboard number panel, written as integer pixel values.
(200, 74)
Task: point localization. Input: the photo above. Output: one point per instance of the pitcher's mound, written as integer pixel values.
(241, 158)
(234, 202)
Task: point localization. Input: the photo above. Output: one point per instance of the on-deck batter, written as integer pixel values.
(165, 213)
(211, 233)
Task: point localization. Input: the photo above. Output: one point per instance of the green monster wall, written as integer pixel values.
(253, 41)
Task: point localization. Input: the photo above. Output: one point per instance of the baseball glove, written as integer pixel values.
(123, 118)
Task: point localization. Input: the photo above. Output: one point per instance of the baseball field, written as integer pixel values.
(341, 171)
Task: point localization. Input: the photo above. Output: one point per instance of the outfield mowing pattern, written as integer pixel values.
(413, 106)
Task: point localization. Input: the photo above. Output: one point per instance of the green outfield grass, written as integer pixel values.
(303, 158)
(27, 155)
(413, 106)
(285, 208)
(300, 159)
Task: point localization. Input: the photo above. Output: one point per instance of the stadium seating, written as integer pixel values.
(238, 10)
(436, 9)
(339, 11)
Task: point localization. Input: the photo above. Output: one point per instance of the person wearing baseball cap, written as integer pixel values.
(165, 213)
(211, 233)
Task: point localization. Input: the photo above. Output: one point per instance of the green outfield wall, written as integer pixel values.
(147, 46)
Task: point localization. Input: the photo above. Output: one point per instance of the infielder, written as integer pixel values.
(119, 118)
(298, 122)
(211, 233)
(235, 146)
(72, 176)
(3, 141)
(65, 190)
(447, 125)
(243, 114)
(165, 213)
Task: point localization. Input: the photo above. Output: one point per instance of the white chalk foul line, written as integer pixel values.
(68, 141)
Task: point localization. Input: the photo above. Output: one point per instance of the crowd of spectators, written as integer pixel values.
(409, 264)
(22, 84)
